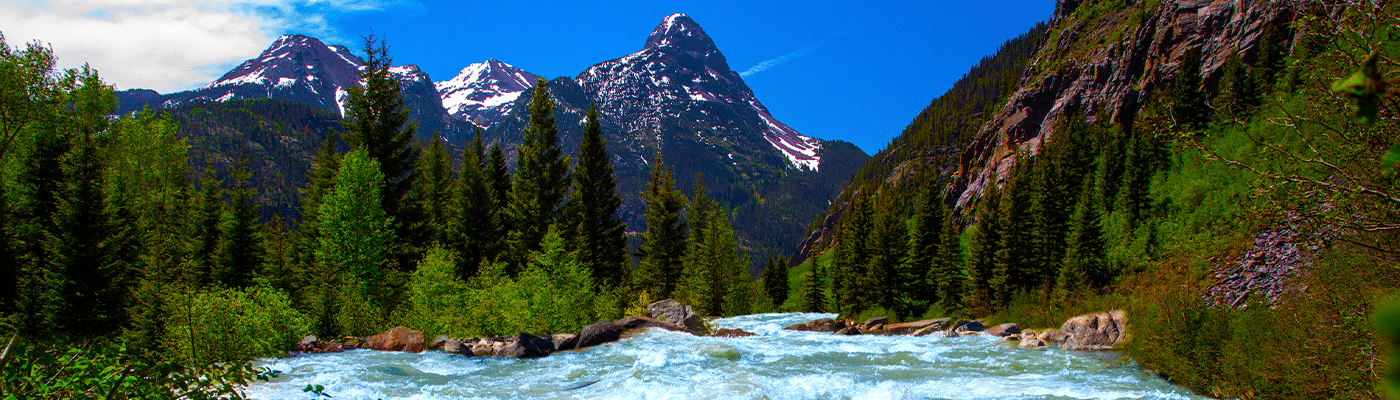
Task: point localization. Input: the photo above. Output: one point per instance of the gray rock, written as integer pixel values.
(1004, 330)
(877, 321)
(671, 311)
(458, 346)
(848, 331)
(598, 333)
(565, 341)
(820, 325)
(913, 328)
(1031, 343)
(966, 328)
(438, 342)
(1099, 331)
(524, 345)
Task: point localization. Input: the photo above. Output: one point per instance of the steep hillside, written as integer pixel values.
(1220, 170)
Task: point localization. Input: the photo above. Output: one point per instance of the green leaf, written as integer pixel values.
(1353, 85)
(1391, 158)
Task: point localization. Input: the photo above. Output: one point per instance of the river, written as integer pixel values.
(775, 364)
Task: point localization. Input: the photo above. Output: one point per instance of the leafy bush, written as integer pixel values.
(232, 325)
(100, 369)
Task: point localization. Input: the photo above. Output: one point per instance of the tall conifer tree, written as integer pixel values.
(981, 256)
(602, 235)
(241, 251)
(853, 256)
(664, 242)
(89, 299)
(377, 122)
(434, 187)
(926, 250)
(476, 232)
(887, 278)
(357, 237)
(542, 179)
(775, 279)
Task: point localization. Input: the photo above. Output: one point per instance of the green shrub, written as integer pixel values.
(232, 325)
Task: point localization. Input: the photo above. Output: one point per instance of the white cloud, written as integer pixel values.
(773, 62)
(168, 45)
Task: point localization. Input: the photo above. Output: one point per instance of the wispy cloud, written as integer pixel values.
(169, 45)
(775, 61)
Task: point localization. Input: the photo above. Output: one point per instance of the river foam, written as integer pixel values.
(775, 364)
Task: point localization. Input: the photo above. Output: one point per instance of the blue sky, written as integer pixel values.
(833, 70)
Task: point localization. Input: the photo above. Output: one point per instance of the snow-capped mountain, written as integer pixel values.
(681, 73)
(677, 97)
(483, 93)
(303, 69)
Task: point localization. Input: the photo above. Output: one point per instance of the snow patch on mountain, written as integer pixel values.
(484, 92)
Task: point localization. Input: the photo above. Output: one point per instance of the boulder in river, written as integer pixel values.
(310, 344)
(397, 338)
(1098, 331)
(633, 322)
(1004, 330)
(966, 328)
(848, 331)
(877, 320)
(598, 333)
(731, 333)
(820, 325)
(913, 328)
(458, 346)
(524, 345)
(674, 312)
(438, 342)
(565, 341)
(1031, 343)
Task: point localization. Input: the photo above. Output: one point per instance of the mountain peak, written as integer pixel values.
(681, 32)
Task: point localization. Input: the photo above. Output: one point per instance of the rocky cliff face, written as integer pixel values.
(1115, 57)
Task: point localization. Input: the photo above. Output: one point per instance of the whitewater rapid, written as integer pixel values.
(775, 364)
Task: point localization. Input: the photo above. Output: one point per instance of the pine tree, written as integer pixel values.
(775, 279)
(1084, 265)
(1015, 256)
(207, 229)
(89, 298)
(717, 282)
(813, 290)
(981, 256)
(43, 177)
(434, 186)
(377, 122)
(664, 242)
(356, 240)
(1188, 100)
(542, 179)
(852, 257)
(498, 175)
(9, 257)
(241, 251)
(927, 247)
(1237, 91)
(887, 278)
(476, 230)
(951, 278)
(602, 235)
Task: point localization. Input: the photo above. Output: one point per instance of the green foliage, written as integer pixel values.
(714, 279)
(241, 251)
(434, 294)
(541, 183)
(232, 325)
(775, 280)
(888, 280)
(377, 123)
(102, 369)
(356, 237)
(1187, 98)
(477, 229)
(601, 234)
(434, 185)
(852, 257)
(664, 242)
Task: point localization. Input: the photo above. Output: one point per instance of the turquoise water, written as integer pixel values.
(776, 364)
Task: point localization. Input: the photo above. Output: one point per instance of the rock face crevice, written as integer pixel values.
(1098, 61)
